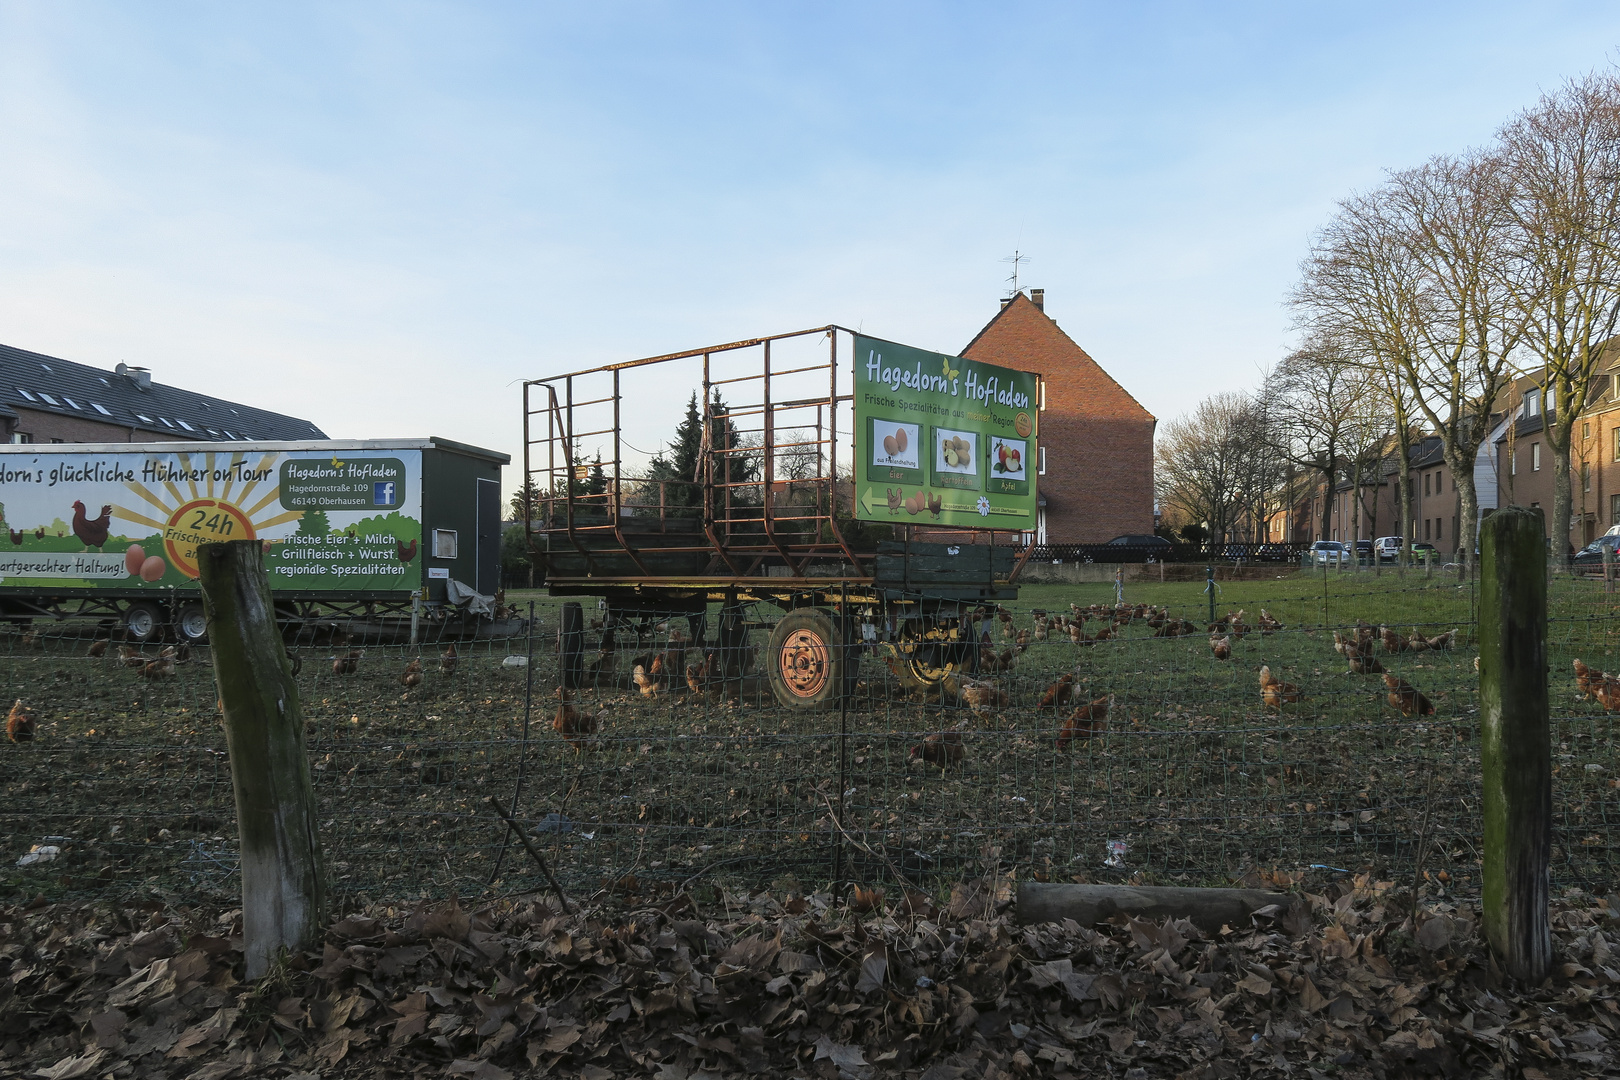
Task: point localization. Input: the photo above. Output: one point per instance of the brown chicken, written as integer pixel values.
(132, 657)
(1084, 723)
(1405, 697)
(1393, 642)
(700, 673)
(572, 722)
(32, 640)
(1276, 692)
(1221, 647)
(649, 676)
(1443, 641)
(92, 532)
(412, 675)
(1268, 625)
(348, 663)
(1599, 686)
(1059, 694)
(20, 723)
(448, 660)
(983, 697)
(1364, 664)
(942, 748)
(163, 666)
(1176, 628)
(98, 648)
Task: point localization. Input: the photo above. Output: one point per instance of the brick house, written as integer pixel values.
(1095, 457)
(45, 399)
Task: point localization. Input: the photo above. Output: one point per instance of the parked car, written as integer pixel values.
(1135, 547)
(1364, 550)
(1593, 552)
(1420, 550)
(1329, 551)
(1388, 548)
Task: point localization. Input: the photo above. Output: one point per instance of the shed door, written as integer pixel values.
(488, 568)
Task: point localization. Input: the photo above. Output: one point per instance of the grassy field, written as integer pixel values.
(1194, 775)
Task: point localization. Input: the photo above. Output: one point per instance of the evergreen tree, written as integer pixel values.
(677, 468)
(596, 483)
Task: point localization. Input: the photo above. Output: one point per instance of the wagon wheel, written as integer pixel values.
(805, 659)
(923, 663)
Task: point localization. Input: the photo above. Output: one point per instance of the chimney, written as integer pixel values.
(1005, 300)
(141, 377)
(1038, 298)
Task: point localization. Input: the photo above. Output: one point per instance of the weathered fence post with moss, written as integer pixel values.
(283, 886)
(1515, 740)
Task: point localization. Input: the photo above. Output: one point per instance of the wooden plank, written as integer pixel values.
(1207, 909)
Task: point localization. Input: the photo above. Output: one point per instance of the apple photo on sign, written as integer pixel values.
(956, 451)
(894, 444)
(1008, 458)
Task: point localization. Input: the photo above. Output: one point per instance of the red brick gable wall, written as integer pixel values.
(1098, 439)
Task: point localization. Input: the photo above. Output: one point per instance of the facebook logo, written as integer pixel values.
(382, 493)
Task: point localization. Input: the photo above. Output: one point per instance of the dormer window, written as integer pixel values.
(1532, 403)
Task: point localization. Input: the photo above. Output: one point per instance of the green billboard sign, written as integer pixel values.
(943, 440)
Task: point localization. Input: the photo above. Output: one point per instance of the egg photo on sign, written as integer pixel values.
(894, 444)
(956, 451)
(1008, 458)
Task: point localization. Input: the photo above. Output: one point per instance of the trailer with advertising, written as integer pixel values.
(880, 496)
(354, 533)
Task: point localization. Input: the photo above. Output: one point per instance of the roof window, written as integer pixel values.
(187, 426)
(71, 403)
(102, 409)
(228, 434)
(166, 422)
(48, 399)
(214, 433)
(26, 394)
(44, 365)
(144, 418)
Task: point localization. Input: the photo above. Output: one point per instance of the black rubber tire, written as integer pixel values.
(571, 645)
(807, 658)
(143, 621)
(190, 624)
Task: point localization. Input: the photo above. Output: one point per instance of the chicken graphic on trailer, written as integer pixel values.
(341, 526)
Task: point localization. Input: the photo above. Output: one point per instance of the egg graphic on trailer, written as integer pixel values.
(153, 568)
(897, 449)
(134, 558)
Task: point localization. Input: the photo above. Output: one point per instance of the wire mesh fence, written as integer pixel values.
(1156, 760)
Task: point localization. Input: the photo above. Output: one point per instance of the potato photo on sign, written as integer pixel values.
(955, 451)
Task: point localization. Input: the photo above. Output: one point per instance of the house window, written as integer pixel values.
(1617, 437)
(1532, 403)
(444, 543)
(1513, 461)
(1040, 461)
(1426, 523)
(1586, 477)
(21, 437)
(1586, 431)
(1425, 483)
(1535, 457)
(58, 440)
(1438, 522)
(1614, 509)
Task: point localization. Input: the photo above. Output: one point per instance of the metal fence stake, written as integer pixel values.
(1515, 742)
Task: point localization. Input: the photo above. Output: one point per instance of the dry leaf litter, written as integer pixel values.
(1337, 985)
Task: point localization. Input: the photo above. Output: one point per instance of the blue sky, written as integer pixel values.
(383, 216)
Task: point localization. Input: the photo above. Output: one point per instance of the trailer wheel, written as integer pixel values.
(192, 623)
(143, 621)
(805, 659)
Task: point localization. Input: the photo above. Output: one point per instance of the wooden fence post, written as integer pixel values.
(1515, 740)
(283, 884)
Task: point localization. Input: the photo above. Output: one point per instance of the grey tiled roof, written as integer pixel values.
(30, 380)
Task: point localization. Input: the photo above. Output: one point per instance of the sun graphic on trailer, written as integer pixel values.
(207, 498)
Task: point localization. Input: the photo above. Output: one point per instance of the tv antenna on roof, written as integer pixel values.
(1017, 258)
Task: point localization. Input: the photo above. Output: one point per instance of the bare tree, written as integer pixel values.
(1309, 398)
(1213, 465)
(1561, 164)
(1418, 269)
